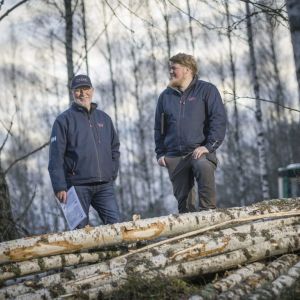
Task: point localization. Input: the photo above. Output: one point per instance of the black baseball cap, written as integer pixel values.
(80, 80)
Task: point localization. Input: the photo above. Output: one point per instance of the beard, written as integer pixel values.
(175, 82)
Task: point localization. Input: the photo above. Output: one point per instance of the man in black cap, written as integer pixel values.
(84, 153)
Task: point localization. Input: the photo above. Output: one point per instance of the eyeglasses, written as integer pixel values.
(82, 88)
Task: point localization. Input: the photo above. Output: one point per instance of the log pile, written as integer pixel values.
(255, 248)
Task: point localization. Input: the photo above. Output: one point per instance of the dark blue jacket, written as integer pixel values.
(186, 120)
(84, 148)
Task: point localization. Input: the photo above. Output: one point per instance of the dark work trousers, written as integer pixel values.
(102, 198)
(182, 172)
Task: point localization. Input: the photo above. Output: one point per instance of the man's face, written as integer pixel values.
(83, 96)
(178, 74)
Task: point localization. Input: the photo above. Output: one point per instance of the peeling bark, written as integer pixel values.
(219, 251)
(210, 291)
(203, 266)
(14, 270)
(127, 232)
(270, 272)
(276, 288)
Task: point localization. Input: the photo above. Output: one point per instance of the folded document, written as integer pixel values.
(73, 210)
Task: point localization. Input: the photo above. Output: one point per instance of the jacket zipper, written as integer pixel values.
(181, 109)
(95, 144)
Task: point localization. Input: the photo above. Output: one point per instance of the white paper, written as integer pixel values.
(73, 210)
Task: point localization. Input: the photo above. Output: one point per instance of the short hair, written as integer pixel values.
(186, 60)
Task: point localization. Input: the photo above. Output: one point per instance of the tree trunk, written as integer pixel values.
(279, 286)
(128, 232)
(69, 44)
(114, 97)
(258, 113)
(270, 272)
(293, 9)
(18, 269)
(236, 131)
(142, 147)
(85, 36)
(8, 229)
(105, 280)
(190, 26)
(199, 255)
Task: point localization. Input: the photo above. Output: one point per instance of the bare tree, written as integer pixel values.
(293, 8)
(258, 112)
(236, 126)
(69, 43)
(85, 36)
(109, 58)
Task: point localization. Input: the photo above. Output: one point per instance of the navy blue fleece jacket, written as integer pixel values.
(195, 117)
(84, 148)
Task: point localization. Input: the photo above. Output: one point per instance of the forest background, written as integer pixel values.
(249, 49)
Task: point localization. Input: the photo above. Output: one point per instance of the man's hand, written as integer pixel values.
(162, 161)
(62, 196)
(199, 151)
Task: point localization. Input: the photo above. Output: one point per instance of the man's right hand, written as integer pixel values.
(161, 161)
(62, 196)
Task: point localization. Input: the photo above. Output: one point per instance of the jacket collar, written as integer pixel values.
(192, 83)
(78, 107)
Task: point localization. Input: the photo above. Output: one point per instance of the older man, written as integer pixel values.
(84, 153)
(190, 125)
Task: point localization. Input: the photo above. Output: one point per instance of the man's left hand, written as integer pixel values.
(199, 151)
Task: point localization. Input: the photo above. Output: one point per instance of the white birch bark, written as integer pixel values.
(18, 269)
(205, 265)
(213, 289)
(293, 9)
(200, 246)
(128, 232)
(168, 260)
(276, 288)
(269, 273)
(258, 111)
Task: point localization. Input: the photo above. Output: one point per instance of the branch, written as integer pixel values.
(21, 216)
(268, 9)
(197, 21)
(7, 135)
(25, 156)
(118, 18)
(261, 99)
(138, 16)
(11, 9)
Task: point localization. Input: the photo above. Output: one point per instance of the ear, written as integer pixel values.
(188, 70)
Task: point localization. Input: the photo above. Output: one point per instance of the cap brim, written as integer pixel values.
(80, 85)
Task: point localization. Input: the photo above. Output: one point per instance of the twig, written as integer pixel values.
(261, 99)
(7, 135)
(11, 9)
(25, 156)
(20, 217)
(113, 11)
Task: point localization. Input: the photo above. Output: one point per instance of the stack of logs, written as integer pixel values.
(258, 244)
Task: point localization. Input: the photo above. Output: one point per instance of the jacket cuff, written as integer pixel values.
(158, 156)
(211, 147)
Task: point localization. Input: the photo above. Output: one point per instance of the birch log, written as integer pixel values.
(120, 268)
(194, 268)
(43, 264)
(128, 232)
(189, 249)
(272, 271)
(276, 288)
(211, 291)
